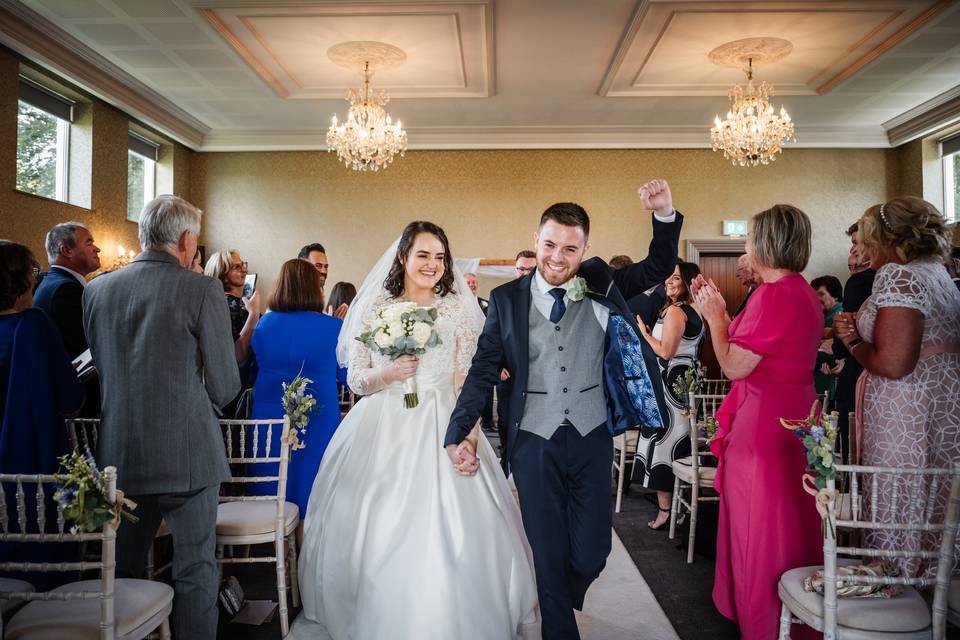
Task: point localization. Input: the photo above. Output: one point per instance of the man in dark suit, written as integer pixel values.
(73, 255)
(160, 338)
(855, 292)
(564, 340)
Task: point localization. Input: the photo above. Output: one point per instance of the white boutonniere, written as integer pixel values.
(577, 289)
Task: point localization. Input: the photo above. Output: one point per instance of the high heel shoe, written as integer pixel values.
(663, 525)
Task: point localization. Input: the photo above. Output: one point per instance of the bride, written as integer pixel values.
(398, 543)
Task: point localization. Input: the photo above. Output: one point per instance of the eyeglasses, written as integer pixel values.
(239, 267)
(524, 269)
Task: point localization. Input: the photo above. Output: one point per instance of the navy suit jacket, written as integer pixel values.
(504, 343)
(61, 297)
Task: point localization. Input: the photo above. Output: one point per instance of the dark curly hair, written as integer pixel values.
(16, 264)
(394, 281)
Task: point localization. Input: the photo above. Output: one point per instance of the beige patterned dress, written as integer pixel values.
(913, 421)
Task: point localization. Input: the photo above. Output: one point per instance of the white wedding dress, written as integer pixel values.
(397, 545)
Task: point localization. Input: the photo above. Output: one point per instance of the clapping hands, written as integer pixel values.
(655, 195)
(707, 300)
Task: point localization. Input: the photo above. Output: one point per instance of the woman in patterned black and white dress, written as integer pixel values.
(677, 339)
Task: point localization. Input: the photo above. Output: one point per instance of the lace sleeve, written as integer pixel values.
(362, 377)
(467, 333)
(900, 286)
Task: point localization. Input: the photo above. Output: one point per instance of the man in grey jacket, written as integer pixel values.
(161, 342)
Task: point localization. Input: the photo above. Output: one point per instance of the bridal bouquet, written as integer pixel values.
(403, 329)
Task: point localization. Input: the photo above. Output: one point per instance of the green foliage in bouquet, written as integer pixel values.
(297, 405)
(82, 494)
(397, 332)
(818, 437)
(687, 386)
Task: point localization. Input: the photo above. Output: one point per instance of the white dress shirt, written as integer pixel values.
(76, 275)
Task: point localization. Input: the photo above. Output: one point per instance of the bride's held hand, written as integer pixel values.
(402, 368)
(464, 458)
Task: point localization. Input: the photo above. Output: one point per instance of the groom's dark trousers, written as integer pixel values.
(564, 488)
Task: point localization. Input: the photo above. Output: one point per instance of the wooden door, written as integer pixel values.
(722, 269)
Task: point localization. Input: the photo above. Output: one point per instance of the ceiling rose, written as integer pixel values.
(368, 139)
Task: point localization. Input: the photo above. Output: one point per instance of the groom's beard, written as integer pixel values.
(556, 278)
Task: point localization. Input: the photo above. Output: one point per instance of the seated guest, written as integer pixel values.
(167, 365)
(72, 255)
(617, 262)
(768, 351)
(677, 339)
(38, 387)
(907, 338)
(297, 338)
(855, 292)
(316, 255)
(341, 297)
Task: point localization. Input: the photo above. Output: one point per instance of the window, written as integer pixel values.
(141, 174)
(950, 149)
(43, 141)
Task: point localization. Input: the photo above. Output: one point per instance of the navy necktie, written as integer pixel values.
(556, 313)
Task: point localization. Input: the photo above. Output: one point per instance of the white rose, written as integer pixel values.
(395, 329)
(391, 314)
(382, 339)
(421, 333)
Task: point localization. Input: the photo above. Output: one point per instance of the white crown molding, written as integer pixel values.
(572, 137)
(924, 119)
(34, 37)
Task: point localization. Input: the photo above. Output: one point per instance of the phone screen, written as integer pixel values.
(249, 285)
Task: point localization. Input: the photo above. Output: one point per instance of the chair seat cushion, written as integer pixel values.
(953, 602)
(905, 613)
(683, 469)
(135, 603)
(630, 437)
(14, 586)
(254, 518)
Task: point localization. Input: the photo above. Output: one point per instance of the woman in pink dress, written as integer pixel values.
(768, 524)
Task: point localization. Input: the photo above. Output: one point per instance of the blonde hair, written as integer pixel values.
(218, 265)
(781, 238)
(911, 226)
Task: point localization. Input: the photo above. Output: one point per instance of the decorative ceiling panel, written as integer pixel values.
(664, 51)
(448, 46)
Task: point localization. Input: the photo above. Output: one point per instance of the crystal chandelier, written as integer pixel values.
(369, 139)
(752, 132)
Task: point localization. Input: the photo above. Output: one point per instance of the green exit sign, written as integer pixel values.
(734, 227)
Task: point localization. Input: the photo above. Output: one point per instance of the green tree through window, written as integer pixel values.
(36, 151)
(135, 185)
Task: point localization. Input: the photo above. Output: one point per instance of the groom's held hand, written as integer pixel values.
(655, 196)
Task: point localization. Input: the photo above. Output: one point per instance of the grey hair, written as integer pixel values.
(164, 219)
(62, 235)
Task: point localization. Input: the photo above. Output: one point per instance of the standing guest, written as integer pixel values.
(73, 255)
(768, 351)
(158, 333)
(231, 271)
(830, 293)
(471, 279)
(526, 263)
(316, 255)
(907, 338)
(855, 292)
(341, 297)
(297, 338)
(620, 261)
(747, 277)
(38, 387)
(677, 339)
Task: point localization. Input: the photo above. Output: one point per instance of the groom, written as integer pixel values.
(574, 383)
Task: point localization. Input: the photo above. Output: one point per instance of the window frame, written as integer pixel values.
(149, 152)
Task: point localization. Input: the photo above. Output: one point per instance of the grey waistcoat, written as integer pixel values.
(566, 372)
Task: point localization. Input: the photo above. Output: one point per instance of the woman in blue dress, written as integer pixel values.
(297, 338)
